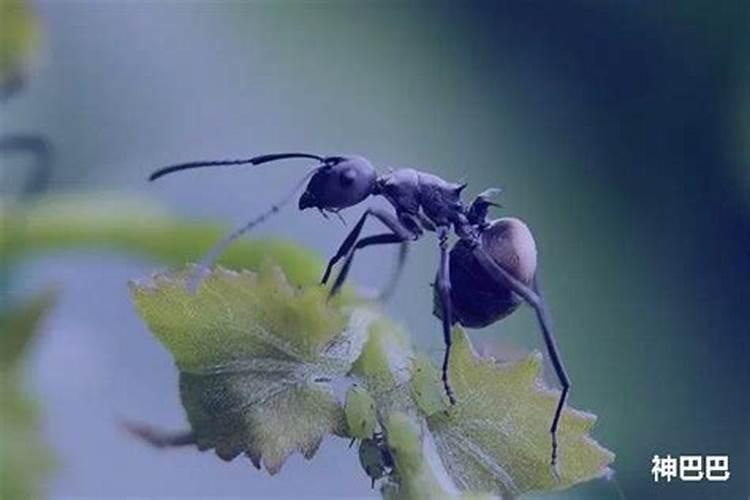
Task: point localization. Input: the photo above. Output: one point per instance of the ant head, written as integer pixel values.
(341, 182)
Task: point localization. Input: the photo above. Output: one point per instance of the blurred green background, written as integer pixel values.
(620, 131)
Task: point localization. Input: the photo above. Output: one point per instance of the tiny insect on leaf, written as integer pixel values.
(359, 408)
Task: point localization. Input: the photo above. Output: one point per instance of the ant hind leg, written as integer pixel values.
(534, 298)
(378, 239)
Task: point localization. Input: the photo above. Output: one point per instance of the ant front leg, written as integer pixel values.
(352, 243)
(534, 298)
(351, 238)
(443, 285)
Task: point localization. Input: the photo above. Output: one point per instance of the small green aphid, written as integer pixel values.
(359, 409)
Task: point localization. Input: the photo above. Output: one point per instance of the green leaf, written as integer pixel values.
(496, 438)
(19, 34)
(415, 477)
(384, 367)
(116, 223)
(18, 326)
(405, 386)
(25, 460)
(427, 387)
(256, 356)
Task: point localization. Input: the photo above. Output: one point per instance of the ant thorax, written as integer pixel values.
(414, 192)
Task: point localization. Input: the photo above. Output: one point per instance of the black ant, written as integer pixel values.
(484, 277)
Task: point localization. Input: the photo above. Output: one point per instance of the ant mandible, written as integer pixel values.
(481, 279)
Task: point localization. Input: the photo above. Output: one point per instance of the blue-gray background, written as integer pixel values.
(620, 131)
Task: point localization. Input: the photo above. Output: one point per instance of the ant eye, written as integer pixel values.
(348, 177)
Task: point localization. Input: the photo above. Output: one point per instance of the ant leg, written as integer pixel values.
(403, 250)
(443, 284)
(348, 246)
(385, 239)
(378, 239)
(534, 298)
(345, 247)
(553, 350)
(158, 438)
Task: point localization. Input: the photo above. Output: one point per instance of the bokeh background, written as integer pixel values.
(620, 131)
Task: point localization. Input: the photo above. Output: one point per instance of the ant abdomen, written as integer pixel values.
(478, 300)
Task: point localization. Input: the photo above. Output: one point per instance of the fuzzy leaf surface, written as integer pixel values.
(496, 437)
(415, 475)
(256, 356)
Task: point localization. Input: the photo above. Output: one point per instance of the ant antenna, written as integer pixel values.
(257, 160)
(210, 258)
